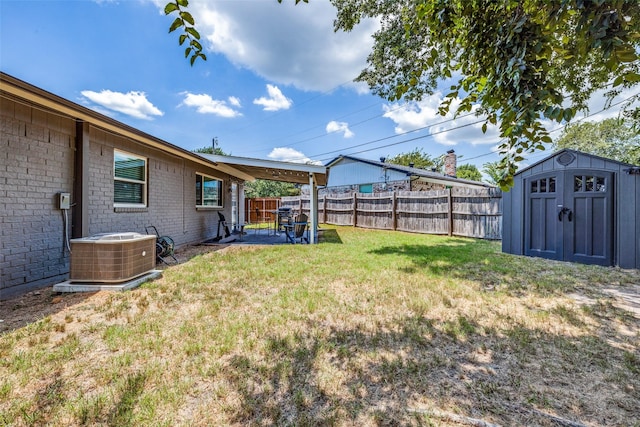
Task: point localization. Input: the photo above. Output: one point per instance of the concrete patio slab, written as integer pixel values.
(70, 286)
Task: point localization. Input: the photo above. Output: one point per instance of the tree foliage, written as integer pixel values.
(610, 138)
(185, 21)
(417, 158)
(493, 172)
(211, 150)
(521, 61)
(469, 171)
(266, 188)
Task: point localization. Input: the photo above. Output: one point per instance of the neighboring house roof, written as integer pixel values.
(413, 172)
(297, 173)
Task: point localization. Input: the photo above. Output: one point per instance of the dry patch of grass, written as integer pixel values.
(367, 328)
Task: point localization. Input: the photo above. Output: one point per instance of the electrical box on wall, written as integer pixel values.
(64, 200)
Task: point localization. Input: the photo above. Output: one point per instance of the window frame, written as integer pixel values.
(144, 183)
(220, 192)
(365, 187)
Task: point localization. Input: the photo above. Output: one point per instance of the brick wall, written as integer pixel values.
(37, 162)
(171, 193)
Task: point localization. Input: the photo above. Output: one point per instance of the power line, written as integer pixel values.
(396, 136)
(403, 141)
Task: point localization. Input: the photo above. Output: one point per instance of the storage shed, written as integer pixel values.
(573, 206)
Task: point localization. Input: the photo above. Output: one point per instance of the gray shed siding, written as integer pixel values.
(37, 153)
(626, 236)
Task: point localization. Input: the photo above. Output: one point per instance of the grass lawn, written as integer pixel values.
(366, 328)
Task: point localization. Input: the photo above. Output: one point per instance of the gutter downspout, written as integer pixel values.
(80, 206)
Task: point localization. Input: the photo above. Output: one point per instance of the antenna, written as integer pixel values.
(214, 142)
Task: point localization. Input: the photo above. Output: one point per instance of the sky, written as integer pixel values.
(278, 82)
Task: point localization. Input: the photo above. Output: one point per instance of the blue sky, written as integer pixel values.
(278, 82)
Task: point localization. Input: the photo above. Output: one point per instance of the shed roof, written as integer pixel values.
(575, 153)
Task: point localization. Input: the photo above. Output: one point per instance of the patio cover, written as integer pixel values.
(296, 173)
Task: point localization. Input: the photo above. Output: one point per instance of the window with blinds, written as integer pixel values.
(208, 191)
(129, 180)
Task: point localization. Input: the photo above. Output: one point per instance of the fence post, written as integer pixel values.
(394, 208)
(450, 209)
(355, 209)
(300, 204)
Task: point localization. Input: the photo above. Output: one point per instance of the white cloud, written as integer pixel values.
(286, 154)
(276, 100)
(134, 104)
(446, 130)
(334, 126)
(204, 104)
(285, 43)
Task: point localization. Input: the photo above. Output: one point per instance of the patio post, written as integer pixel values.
(313, 209)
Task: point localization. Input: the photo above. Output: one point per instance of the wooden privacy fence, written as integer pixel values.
(454, 212)
(255, 210)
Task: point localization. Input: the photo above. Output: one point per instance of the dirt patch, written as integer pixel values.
(33, 306)
(625, 298)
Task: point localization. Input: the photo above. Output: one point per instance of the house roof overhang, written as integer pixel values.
(297, 173)
(243, 168)
(18, 90)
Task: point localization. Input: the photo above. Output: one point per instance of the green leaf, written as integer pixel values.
(193, 59)
(193, 32)
(632, 77)
(627, 56)
(484, 127)
(187, 51)
(170, 7)
(177, 23)
(183, 3)
(618, 81)
(182, 38)
(196, 45)
(187, 17)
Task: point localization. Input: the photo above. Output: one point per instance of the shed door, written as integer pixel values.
(588, 236)
(569, 216)
(543, 235)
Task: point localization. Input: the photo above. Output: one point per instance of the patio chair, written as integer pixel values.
(295, 230)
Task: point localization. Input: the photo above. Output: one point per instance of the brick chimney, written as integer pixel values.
(450, 163)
